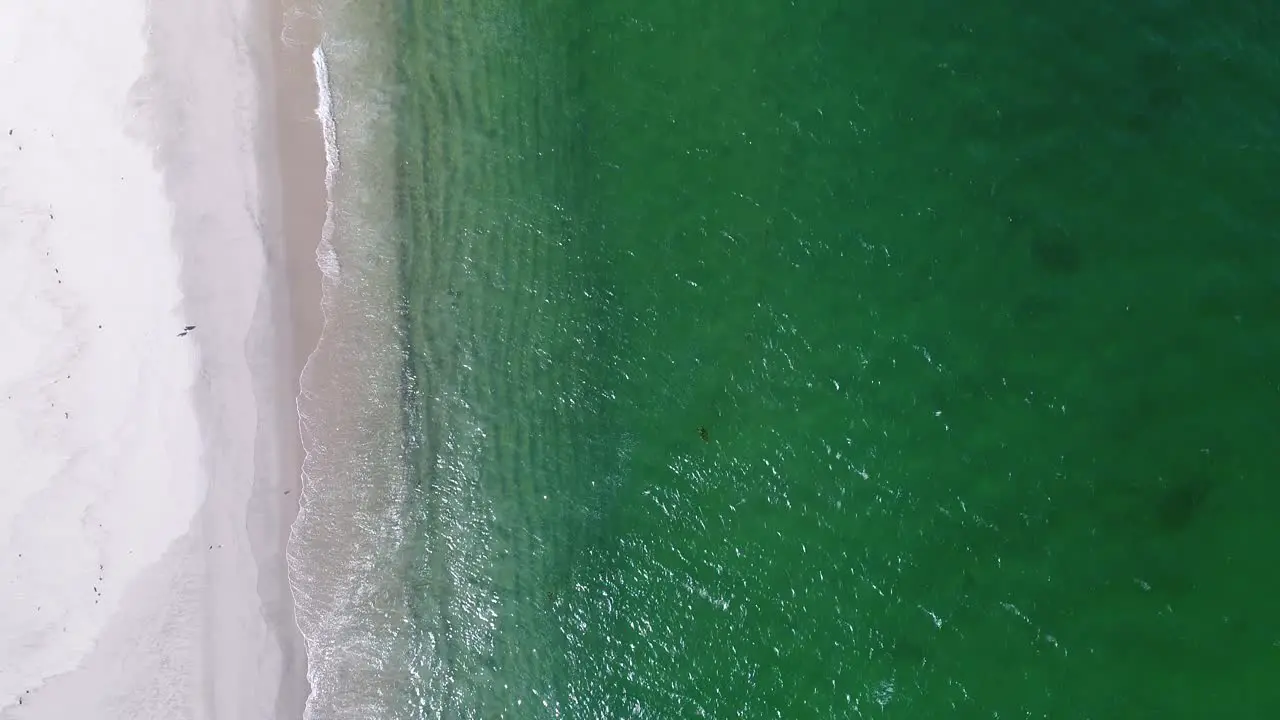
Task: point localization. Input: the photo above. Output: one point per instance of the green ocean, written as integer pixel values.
(774, 359)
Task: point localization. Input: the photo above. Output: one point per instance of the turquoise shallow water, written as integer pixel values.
(846, 360)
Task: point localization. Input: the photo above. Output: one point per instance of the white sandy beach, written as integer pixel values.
(148, 478)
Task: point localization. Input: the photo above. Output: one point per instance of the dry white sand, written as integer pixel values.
(147, 479)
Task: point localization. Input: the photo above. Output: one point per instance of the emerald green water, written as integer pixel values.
(841, 359)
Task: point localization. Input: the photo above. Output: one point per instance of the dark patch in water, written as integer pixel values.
(1057, 254)
(1181, 502)
(1158, 91)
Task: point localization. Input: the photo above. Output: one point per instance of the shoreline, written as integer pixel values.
(351, 601)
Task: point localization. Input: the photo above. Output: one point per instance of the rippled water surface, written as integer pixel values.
(769, 359)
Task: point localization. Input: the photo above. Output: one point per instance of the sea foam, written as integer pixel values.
(326, 258)
(344, 564)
